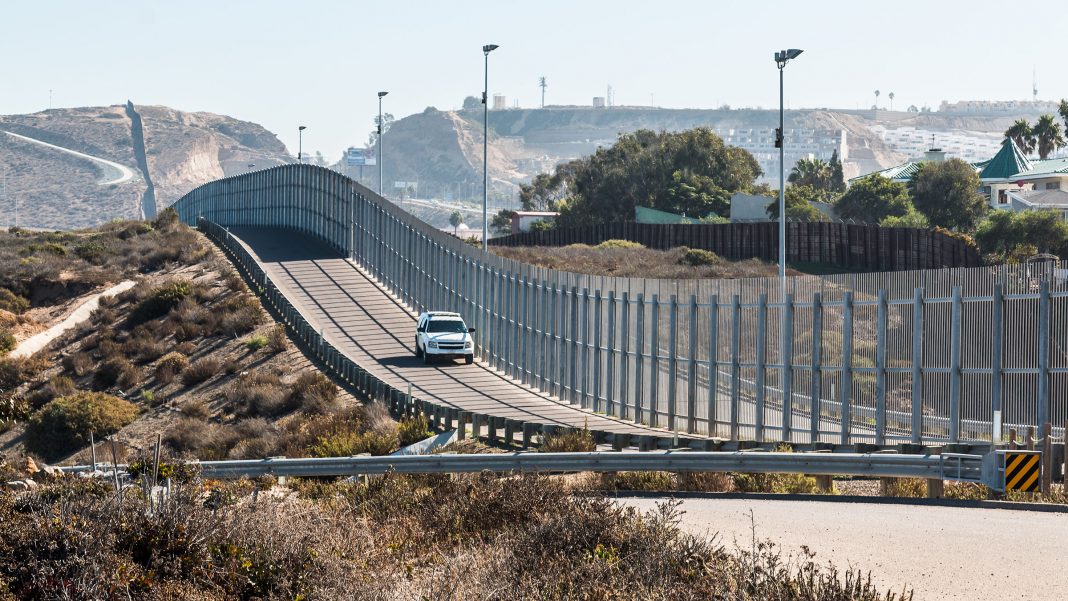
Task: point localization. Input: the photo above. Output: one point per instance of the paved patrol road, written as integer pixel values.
(941, 552)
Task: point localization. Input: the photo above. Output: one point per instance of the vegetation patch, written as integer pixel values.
(65, 423)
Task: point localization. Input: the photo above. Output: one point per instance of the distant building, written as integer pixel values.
(522, 220)
(598, 102)
(750, 207)
(499, 102)
(998, 106)
(801, 143)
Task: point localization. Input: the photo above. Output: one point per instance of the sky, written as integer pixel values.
(321, 63)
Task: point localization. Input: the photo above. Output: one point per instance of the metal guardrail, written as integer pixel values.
(957, 467)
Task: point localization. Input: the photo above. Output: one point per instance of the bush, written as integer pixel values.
(637, 481)
(15, 372)
(238, 315)
(64, 424)
(160, 301)
(255, 343)
(569, 441)
(143, 347)
(58, 386)
(277, 339)
(78, 363)
(696, 256)
(116, 370)
(314, 393)
(260, 393)
(610, 244)
(413, 429)
(169, 366)
(200, 371)
(348, 442)
(9, 301)
(7, 342)
(196, 408)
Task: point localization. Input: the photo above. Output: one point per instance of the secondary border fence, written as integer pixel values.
(851, 246)
(928, 356)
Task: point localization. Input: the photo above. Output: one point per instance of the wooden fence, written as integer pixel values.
(850, 246)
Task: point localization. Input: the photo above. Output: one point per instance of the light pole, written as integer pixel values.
(379, 140)
(300, 143)
(485, 147)
(781, 58)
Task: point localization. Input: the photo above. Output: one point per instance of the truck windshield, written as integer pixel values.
(450, 326)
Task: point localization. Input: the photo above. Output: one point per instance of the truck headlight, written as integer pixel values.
(432, 344)
(467, 344)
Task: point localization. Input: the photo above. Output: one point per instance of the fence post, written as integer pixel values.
(880, 369)
(610, 375)
(1043, 353)
(554, 350)
(816, 384)
(624, 357)
(713, 364)
(996, 336)
(955, 366)
(736, 368)
(917, 366)
(691, 368)
(584, 351)
(654, 363)
(845, 393)
(673, 359)
(761, 362)
(786, 353)
(1047, 457)
(597, 350)
(639, 359)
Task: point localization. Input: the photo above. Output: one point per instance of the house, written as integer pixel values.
(522, 220)
(1009, 180)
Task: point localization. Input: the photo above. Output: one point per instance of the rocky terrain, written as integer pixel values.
(57, 190)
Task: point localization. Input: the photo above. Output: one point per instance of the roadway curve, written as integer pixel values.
(377, 331)
(118, 174)
(940, 552)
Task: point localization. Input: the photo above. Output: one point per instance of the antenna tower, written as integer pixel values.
(1034, 85)
(542, 84)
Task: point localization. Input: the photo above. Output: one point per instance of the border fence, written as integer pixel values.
(947, 355)
(846, 245)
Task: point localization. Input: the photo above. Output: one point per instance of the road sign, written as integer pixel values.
(1022, 470)
(360, 157)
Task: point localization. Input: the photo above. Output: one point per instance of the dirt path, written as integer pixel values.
(40, 340)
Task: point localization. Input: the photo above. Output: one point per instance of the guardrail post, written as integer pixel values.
(597, 350)
(713, 364)
(461, 428)
(1043, 352)
(1047, 457)
(639, 358)
(955, 367)
(761, 370)
(736, 368)
(880, 369)
(528, 433)
(673, 344)
(997, 334)
(786, 353)
(691, 368)
(917, 366)
(845, 394)
(509, 432)
(936, 487)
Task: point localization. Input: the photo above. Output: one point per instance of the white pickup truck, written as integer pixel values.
(442, 334)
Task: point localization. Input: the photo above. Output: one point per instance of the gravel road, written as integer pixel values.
(941, 552)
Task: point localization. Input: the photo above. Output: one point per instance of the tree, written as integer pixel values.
(815, 173)
(471, 103)
(872, 199)
(547, 189)
(1063, 110)
(501, 223)
(387, 124)
(912, 218)
(947, 193)
(837, 178)
(690, 172)
(455, 219)
(891, 97)
(1022, 135)
(1005, 236)
(799, 199)
(1046, 229)
(1048, 136)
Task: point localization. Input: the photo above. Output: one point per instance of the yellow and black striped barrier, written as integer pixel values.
(1022, 470)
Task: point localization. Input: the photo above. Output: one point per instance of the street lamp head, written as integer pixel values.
(783, 56)
(381, 94)
(489, 48)
(301, 127)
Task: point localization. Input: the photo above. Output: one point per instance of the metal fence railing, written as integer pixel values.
(912, 356)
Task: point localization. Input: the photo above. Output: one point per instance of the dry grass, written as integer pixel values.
(677, 263)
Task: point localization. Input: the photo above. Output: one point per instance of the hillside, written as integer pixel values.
(55, 189)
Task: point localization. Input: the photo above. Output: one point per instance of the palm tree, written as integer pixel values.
(1048, 135)
(811, 172)
(1063, 110)
(876, 99)
(891, 97)
(1021, 133)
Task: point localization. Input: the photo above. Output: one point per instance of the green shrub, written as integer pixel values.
(7, 341)
(344, 443)
(913, 488)
(255, 343)
(638, 481)
(200, 371)
(569, 441)
(166, 219)
(64, 424)
(413, 429)
(610, 244)
(9, 301)
(697, 256)
(776, 483)
(58, 386)
(15, 372)
(314, 392)
(160, 301)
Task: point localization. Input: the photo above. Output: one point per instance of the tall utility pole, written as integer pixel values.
(543, 85)
(379, 140)
(300, 143)
(781, 58)
(485, 147)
